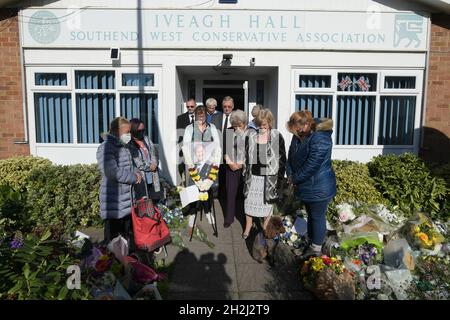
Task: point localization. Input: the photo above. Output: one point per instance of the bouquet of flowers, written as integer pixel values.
(290, 237)
(345, 212)
(172, 217)
(387, 216)
(366, 253)
(422, 233)
(328, 278)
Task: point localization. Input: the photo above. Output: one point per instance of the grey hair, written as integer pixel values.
(256, 109)
(211, 101)
(237, 117)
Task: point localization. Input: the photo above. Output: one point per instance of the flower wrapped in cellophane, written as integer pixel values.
(421, 233)
(328, 278)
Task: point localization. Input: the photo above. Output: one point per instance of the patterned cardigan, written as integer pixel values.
(276, 164)
(142, 165)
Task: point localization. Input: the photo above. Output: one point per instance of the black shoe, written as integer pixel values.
(308, 253)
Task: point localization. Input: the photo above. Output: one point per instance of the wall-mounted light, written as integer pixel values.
(226, 61)
(115, 54)
(252, 62)
(227, 57)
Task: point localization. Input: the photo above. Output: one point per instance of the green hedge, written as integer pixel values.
(354, 183)
(408, 183)
(65, 194)
(15, 172)
(62, 198)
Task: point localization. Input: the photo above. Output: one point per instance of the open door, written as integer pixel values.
(245, 87)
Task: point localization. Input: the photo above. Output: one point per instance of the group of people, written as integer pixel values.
(246, 161)
(224, 155)
(128, 162)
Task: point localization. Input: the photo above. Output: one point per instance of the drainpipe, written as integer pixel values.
(425, 88)
(24, 91)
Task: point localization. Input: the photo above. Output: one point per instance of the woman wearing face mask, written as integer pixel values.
(309, 170)
(145, 157)
(115, 163)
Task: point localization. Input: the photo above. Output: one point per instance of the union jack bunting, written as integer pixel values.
(345, 83)
(363, 84)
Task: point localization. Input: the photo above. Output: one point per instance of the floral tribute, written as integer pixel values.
(328, 278)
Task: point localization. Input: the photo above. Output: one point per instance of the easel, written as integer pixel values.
(213, 207)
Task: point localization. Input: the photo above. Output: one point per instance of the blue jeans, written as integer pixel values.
(317, 221)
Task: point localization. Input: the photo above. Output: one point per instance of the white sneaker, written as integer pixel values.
(210, 218)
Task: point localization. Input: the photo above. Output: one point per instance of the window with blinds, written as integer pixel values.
(355, 120)
(53, 117)
(95, 110)
(321, 106)
(138, 79)
(397, 116)
(50, 79)
(143, 107)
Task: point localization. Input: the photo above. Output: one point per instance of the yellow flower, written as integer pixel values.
(317, 264)
(417, 229)
(203, 196)
(422, 236)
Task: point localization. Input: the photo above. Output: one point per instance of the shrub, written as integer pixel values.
(35, 268)
(407, 183)
(443, 171)
(13, 216)
(65, 194)
(16, 171)
(354, 183)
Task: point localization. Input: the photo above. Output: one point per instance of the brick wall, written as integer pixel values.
(436, 142)
(11, 115)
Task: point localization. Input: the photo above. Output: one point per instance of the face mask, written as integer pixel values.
(125, 138)
(140, 134)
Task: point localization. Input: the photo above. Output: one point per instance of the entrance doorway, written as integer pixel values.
(238, 95)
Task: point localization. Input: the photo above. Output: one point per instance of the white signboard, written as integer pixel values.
(220, 29)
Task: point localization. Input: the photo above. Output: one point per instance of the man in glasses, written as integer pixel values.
(183, 121)
(187, 118)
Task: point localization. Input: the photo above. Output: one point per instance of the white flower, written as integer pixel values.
(293, 237)
(386, 215)
(345, 212)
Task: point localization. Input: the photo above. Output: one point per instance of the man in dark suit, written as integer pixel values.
(213, 116)
(183, 120)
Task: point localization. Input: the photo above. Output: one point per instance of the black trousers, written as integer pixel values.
(233, 186)
(115, 227)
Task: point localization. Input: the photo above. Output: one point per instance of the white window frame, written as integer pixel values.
(32, 84)
(70, 89)
(380, 91)
(148, 89)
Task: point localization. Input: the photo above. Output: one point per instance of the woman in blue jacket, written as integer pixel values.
(309, 170)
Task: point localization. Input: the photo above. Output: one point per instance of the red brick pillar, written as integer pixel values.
(11, 110)
(436, 139)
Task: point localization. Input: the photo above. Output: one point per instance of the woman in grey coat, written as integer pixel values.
(118, 175)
